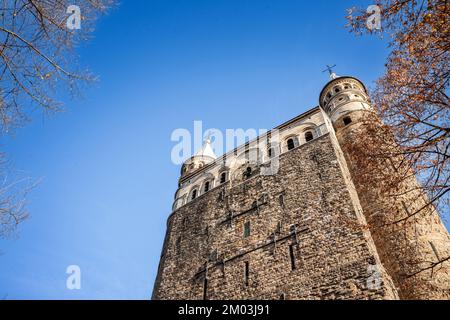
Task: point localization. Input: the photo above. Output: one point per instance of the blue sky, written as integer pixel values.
(107, 178)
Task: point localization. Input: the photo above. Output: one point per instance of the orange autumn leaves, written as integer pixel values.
(412, 96)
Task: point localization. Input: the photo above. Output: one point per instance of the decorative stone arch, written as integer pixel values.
(207, 179)
(252, 155)
(223, 172)
(347, 86)
(342, 98)
(310, 133)
(273, 149)
(338, 88)
(244, 171)
(179, 202)
(291, 141)
(194, 190)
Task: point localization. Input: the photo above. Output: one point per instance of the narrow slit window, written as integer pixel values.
(207, 186)
(205, 288)
(281, 200)
(292, 255)
(178, 244)
(247, 229)
(279, 227)
(194, 194)
(246, 273)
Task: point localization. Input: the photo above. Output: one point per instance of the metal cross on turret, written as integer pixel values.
(330, 70)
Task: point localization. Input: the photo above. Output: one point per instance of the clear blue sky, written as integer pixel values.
(107, 178)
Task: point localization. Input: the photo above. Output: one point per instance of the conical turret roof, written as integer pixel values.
(206, 150)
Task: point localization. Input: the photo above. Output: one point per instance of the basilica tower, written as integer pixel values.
(320, 226)
(409, 235)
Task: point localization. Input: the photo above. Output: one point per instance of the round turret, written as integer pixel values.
(343, 99)
(203, 157)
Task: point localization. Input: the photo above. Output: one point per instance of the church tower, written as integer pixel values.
(316, 227)
(410, 244)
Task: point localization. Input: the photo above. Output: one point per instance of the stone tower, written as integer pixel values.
(300, 232)
(406, 242)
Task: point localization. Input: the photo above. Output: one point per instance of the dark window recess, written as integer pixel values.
(178, 244)
(223, 177)
(309, 136)
(205, 288)
(279, 226)
(290, 144)
(292, 229)
(281, 200)
(207, 186)
(291, 253)
(194, 194)
(283, 296)
(270, 152)
(246, 273)
(347, 121)
(247, 229)
(248, 172)
(213, 256)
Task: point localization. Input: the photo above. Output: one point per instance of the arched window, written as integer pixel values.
(309, 136)
(223, 177)
(194, 194)
(271, 152)
(290, 144)
(347, 121)
(248, 172)
(207, 186)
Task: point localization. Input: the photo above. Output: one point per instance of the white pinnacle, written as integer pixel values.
(206, 150)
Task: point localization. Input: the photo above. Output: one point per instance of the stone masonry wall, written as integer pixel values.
(410, 244)
(306, 239)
